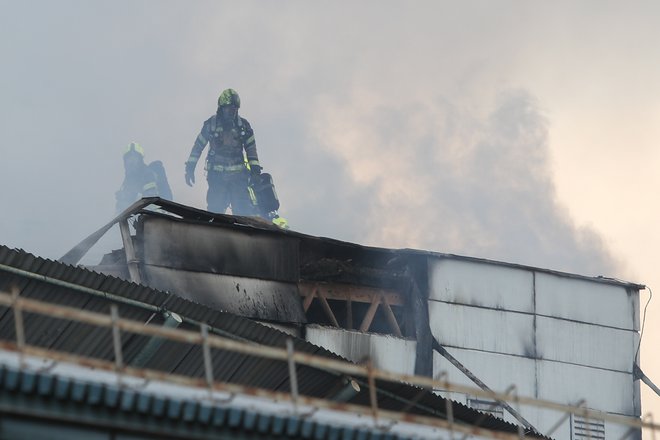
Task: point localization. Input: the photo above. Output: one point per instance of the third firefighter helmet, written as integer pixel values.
(229, 97)
(134, 147)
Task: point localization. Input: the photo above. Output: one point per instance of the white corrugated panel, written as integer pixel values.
(585, 301)
(481, 284)
(546, 420)
(619, 431)
(482, 329)
(603, 390)
(387, 352)
(495, 370)
(585, 344)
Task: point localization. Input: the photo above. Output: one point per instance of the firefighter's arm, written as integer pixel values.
(196, 152)
(250, 147)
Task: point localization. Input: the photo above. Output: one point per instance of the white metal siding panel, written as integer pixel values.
(387, 352)
(617, 431)
(585, 344)
(482, 284)
(603, 390)
(546, 419)
(495, 370)
(636, 311)
(584, 301)
(482, 329)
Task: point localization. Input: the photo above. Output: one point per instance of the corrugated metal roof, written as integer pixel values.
(185, 359)
(38, 391)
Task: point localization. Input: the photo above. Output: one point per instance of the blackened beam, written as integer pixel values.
(418, 308)
(440, 349)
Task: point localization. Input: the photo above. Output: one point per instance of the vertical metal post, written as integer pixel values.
(514, 390)
(585, 414)
(449, 408)
(18, 323)
(649, 417)
(116, 338)
(372, 389)
(206, 352)
(129, 250)
(293, 375)
(450, 417)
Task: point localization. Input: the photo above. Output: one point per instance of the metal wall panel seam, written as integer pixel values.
(537, 359)
(599, 279)
(476, 306)
(536, 350)
(533, 314)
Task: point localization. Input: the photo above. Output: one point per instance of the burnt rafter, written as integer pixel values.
(375, 298)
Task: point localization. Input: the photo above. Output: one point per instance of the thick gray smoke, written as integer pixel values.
(434, 176)
(394, 129)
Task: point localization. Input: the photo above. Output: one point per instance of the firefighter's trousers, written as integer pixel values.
(229, 188)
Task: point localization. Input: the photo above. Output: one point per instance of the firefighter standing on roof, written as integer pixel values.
(140, 179)
(228, 172)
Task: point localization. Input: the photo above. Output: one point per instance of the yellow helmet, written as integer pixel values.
(134, 146)
(229, 97)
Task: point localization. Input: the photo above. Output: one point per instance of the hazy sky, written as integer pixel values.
(513, 130)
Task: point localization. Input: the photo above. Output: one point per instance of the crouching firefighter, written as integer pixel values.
(265, 200)
(229, 136)
(140, 179)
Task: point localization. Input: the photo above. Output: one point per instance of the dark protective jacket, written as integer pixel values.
(226, 145)
(149, 181)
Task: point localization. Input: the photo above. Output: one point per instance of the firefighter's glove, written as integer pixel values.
(280, 222)
(190, 173)
(255, 170)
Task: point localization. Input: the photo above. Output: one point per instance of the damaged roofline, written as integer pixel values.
(188, 213)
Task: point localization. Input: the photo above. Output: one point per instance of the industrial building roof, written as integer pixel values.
(74, 286)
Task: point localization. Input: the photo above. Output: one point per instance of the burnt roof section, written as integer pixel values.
(372, 261)
(78, 287)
